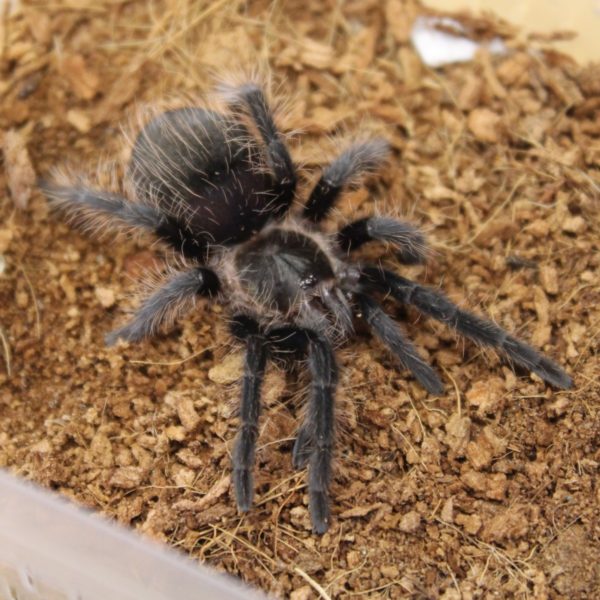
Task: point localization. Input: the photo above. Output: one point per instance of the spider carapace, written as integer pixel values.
(217, 185)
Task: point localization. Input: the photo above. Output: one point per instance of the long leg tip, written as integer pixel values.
(529, 358)
(243, 485)
(435, 386)
(427, 377)
(320, 514)
(550, 372)
(320, 528)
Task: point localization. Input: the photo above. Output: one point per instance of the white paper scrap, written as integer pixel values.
(437, 48)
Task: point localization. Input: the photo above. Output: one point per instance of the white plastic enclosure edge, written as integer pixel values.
(49, 548)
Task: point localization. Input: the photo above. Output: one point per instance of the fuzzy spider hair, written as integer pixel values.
(217, 187)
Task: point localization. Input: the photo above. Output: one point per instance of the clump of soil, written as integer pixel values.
(491, 488)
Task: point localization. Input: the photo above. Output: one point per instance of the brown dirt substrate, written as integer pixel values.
(490, 490)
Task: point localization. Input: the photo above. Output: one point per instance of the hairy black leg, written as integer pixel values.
(88, 205)
(314, 442)
(319, 428)
(358, 159)
(434, 304)
(245, 443)
(250, 99)
(97, 210)
(412, 247)
(167, 303)
(389, 333)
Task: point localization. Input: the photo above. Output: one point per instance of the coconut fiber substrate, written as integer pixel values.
(489, 490)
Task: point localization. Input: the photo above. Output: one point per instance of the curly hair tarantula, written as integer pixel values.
(217, 186)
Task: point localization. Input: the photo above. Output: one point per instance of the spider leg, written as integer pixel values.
(358, 159)
(314, 442)
(410, 241)
(320, 424)
(89, 205)
(97, 209)
(389, 333)
(434, 304)
(167, 303)
(245, 444)
(250, 99)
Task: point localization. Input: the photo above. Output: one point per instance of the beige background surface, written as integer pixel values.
(582, 16)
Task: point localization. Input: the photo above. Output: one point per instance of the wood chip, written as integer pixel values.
(486, 396)
(410, 522)
(360, 511)
(229, 370)
(127, 478)
(457, 432)
(79, 120)
(470, 523)
(549, 279)
(574, 224)
(484, 124)
(480, 452)
(509, 524)
(19, 170)
(106, 296)
(84, 82)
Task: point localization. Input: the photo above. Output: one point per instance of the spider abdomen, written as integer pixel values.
(200, 168)
(279, 267)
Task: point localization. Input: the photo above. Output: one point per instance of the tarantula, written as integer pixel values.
(217, 186)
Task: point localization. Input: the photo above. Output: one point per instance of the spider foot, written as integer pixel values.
(243, 484)
(320, 514)
(543, 367)
(319, 476)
